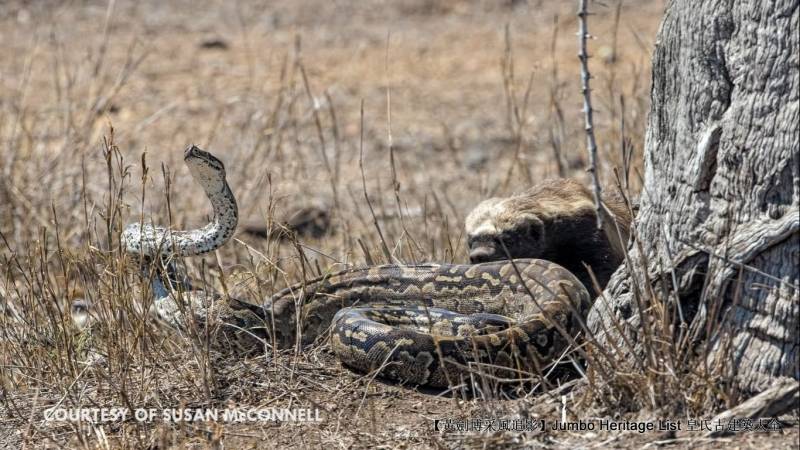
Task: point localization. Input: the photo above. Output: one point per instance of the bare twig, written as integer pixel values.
(384, 247)
(591, 144)
(556, 112)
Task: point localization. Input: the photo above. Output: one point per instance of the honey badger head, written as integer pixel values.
(492, 231)
(556, 221)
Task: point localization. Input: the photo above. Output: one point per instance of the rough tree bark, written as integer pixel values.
(721, 188)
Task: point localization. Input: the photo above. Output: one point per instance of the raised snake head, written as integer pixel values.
(206, 169)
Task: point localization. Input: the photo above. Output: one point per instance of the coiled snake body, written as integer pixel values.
(422, 324)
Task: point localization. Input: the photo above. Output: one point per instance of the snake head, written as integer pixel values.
(206, 168)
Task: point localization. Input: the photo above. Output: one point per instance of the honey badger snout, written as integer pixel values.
(483, 250)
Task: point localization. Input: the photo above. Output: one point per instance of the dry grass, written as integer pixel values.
(455, 101)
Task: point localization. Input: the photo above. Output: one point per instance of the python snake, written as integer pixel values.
(427, 324)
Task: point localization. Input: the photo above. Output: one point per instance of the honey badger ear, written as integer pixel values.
(531, 227)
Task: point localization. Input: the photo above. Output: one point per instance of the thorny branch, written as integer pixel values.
(591, 144)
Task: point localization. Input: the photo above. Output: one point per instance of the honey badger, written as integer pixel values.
(556, 221)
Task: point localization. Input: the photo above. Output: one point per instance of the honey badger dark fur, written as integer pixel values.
(556, 221)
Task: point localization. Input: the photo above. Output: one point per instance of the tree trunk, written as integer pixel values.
(721, 191)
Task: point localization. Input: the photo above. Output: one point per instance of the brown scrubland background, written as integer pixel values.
(422, 107)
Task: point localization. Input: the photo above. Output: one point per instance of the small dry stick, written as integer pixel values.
(591, 144)
(384, 247)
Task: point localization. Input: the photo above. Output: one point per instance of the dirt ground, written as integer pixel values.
(422, 107)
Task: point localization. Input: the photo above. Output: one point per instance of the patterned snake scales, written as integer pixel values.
(426, 324)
